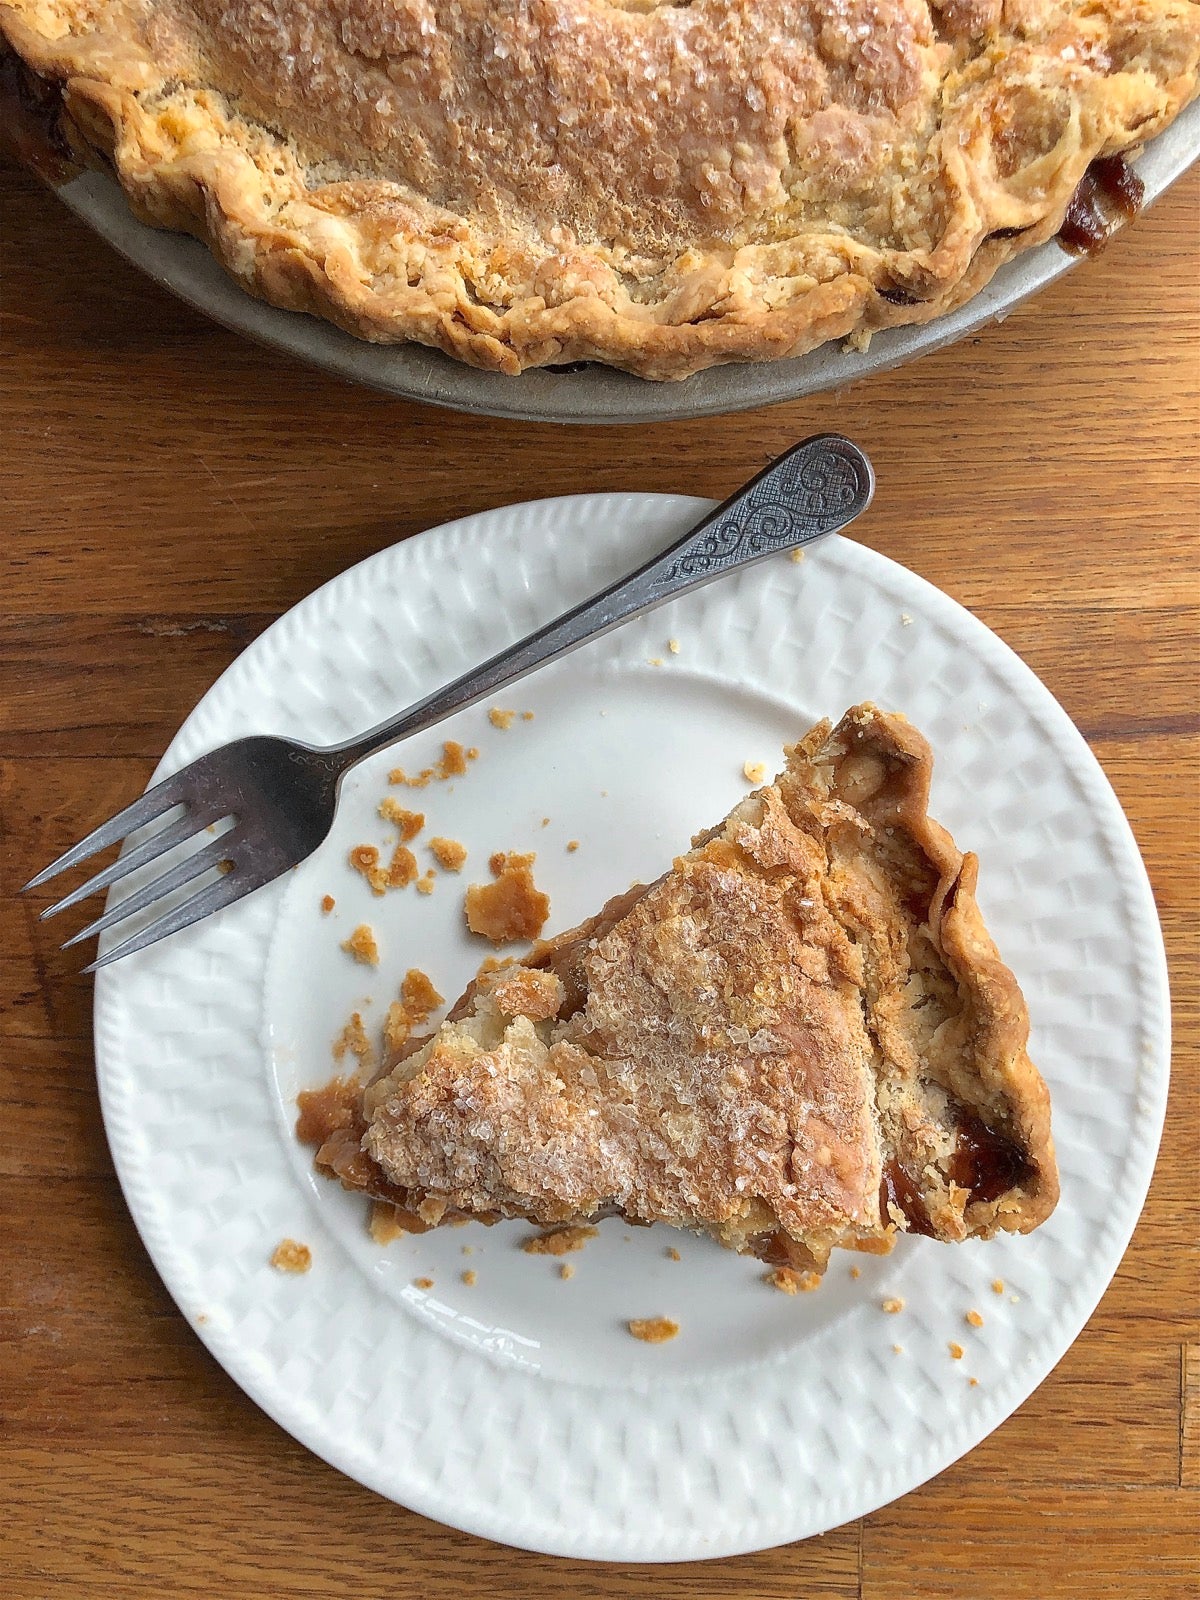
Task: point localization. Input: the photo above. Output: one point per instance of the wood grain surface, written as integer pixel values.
(168, 491)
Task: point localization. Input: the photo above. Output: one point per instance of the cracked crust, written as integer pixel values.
(800, 1037)
(660, 187)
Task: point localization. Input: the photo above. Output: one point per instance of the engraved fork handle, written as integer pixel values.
(813, 489)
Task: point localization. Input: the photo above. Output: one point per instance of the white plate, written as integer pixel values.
(519, 1408)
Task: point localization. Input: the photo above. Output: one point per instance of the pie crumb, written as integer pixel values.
(1014, 1299)
(673, 1254)
(422, 1283)
(905, 620)
(202, 1316)
(956, 1350)
(545, 822)
(856, 1272)
(397, 1027)
(899, 1349)
(353, 1039)
(449, 853)
(789, 1281)
(288, 1256)
(468, 1249)
(673, 646)
(997, 1285)
(470, 1278)
(654, 661)
(425, 883)
(501, 719)
(409, 822)
(527, 716)
(362, 946)
(572, 846)
(364, 858)
(893, 1305)
(512, 907)
(418, 994)
(566, 1270)
(797, 556)
(975, 1319)
(559, 1241)
(402, 869)
(384, 1222)
(454, 760)
(652, 1330)
(974, 1382)
(755, 771)
(327, 904)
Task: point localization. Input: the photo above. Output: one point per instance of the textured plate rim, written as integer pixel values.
(956, 1439)
(185, 267)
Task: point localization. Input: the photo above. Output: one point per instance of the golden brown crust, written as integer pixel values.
(657, 187)
(800, 1037)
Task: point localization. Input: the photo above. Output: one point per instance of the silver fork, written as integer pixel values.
(278, 797)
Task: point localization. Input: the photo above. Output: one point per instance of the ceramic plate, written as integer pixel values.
(588, 393)
(518, 1407)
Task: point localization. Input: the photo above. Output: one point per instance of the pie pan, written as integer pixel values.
(584, 393)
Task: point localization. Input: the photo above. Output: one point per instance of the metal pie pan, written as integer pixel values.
(590, 393)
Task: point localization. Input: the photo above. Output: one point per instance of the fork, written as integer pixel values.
(278, 797)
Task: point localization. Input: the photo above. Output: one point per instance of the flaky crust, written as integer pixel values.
(800, 1037)
(660, 187)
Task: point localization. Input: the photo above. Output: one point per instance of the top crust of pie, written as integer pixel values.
(799, 1037)
(659, 186)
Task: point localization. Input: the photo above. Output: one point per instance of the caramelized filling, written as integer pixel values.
(1109, 193)
(35, 122)
(897, 1188)
(986, 1162)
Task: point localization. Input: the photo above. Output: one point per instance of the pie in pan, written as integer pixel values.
(800, 1037)
(656, 186)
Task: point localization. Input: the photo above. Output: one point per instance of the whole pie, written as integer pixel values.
(800, 1037)
(656, 186)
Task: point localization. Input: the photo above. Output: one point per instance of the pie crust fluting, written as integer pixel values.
(656, 186)
(800, 1037)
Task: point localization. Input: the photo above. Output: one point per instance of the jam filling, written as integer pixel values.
(985, 1163)
(1109, 193)
(35, 121)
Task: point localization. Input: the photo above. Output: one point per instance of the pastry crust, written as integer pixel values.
(800, 1037)
(660, 187)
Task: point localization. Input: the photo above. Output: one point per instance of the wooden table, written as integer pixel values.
(170, 490)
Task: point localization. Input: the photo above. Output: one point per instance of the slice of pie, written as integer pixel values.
(656, 184)
(800, 1036)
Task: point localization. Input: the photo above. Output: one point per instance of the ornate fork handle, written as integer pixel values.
(813, 489)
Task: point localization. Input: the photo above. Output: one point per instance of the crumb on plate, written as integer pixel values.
(997, 1285)
(652, 1330)
(797, 556)
(364, 858)
(754, 771)
(974, 1382)
(566, 1270)
(384, 1222)
(422, 1283)
(956, 1350)
(654, 661)
(788, 1281)
(425, 881)
(673, 646)
(419, 995)
(905, 620)
(501, 719)
(893, 1305)
(899, 1349)
(572, 846)
(527, 716)
(327, 903)
(470, 1278)
(559, 1241)
(673, 1254)
(512, 907)
(353, 1040)
(448, 853)
(856, 1272)
(975, 1319)
(289, 1256)
(362, 945)
(409, 822)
